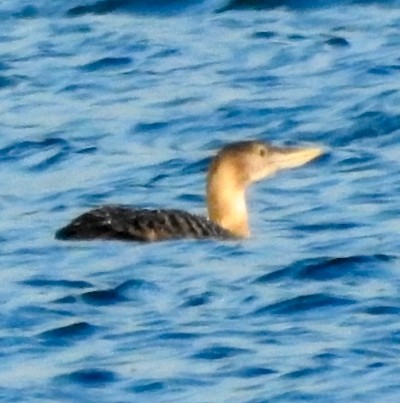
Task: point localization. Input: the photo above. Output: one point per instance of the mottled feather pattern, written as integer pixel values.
(124, 223)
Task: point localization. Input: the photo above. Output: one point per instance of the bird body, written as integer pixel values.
(143, 225)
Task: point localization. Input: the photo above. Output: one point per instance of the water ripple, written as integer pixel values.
(91, 377)
(65, 334)
(304, 303)
(107, 63)
(329, 268)
(218, 353)
(37, 155)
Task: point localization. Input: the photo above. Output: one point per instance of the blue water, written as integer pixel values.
(125, 102)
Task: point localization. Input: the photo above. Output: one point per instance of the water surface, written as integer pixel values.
(122, 102)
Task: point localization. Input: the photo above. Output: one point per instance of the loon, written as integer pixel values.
(230, 172)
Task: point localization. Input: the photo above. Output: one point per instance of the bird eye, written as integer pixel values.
(261, 152)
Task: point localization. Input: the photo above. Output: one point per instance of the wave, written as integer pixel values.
(173, 6)
(107, 6)
(296, 4)
(324, 269)
(159, 7)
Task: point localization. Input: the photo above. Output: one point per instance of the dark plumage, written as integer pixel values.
(125, 223)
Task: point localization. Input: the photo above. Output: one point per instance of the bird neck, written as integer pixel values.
(226, 199)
